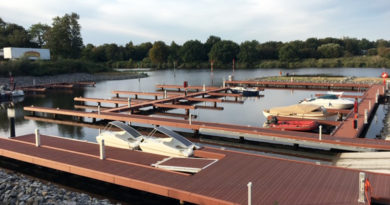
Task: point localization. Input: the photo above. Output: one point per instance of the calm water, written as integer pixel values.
(248, 113)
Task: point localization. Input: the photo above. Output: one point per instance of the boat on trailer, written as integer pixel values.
(173, 144)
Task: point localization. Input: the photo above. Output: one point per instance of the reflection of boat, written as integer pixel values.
(293, 125)
(245, 91)
(309, 111)
(330, 101)
(173, 145)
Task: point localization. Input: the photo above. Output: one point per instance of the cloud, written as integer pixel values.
(121, 21)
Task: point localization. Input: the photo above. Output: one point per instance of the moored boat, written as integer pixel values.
(307, 111)
(292, 125)
(245, 91)
(173, 145)
(330, 101)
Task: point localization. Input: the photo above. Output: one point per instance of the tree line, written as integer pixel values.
(64, 39)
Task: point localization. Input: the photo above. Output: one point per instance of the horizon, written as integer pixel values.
(148, 21)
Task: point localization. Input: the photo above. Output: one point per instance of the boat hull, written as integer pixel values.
(303, 125)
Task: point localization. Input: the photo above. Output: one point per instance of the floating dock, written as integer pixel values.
(222, 180)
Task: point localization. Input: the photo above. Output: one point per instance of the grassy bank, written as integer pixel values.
(41, 68)
(348, 62)
(322, 79)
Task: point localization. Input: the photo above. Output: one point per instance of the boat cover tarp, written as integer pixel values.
(298, 108)
(126, 128)
(174, 135)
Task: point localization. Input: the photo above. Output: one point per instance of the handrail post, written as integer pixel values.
(362, 179)
(320, 132)
(249, 193)
(37, 138)
(102, 151)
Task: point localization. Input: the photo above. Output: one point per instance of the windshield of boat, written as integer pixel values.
(329, 97)
(133, 132)
(176, 136)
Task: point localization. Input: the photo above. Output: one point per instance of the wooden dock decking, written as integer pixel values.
(223, 182)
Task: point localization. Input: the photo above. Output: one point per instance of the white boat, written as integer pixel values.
(330, 101)
(173, 145)
(245, 91)
(127, 138)
(307, 111)
(17, 93)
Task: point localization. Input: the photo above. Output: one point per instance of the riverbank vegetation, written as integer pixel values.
(69, 54)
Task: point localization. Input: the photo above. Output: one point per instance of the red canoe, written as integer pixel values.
(303, 125)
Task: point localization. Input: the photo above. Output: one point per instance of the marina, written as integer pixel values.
(203, 177)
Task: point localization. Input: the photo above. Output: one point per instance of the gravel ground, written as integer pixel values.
(22, 190)
(68, 78)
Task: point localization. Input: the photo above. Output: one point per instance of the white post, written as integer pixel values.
(249, 193)
(190, 118)
(102, 151)
(362, 179)
(98, 109)
(365, 116)
(37, 138)
(223, 82)
(320, 132)
(204, 87)
(100, 131)
(369, 104)
(165, 93)
(129, 102)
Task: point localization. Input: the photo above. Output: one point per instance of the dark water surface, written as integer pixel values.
(249, 113)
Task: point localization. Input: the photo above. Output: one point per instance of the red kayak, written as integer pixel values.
(303, 125)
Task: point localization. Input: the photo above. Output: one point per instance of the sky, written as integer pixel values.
(122, 21)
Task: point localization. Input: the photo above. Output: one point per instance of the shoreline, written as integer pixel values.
(22, 81)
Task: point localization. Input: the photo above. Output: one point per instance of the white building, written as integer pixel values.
(30, 53)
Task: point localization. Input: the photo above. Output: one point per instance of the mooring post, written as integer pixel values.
(128, 102)
(190, 118)
(98, 109)
(320, 132)
(165, 94)
(365, 116)
(102, 151)
(204, 87)
(369, 104)
(249, 193)
(223, 82)
(37, 138)
(11, 116)
(362, 180)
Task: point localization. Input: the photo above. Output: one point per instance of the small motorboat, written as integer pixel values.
(13, 93)
(293, 125)
(330, 101)
(245, 91)
(308, 111)
(174, 145)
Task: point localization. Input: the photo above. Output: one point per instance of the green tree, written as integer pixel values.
(224, 51)
(248, 52)
(209, 44)
(141, 51)
(174, 50)
(192, 51)
(330, 50)
(38, 34)
(288, 53)
(64, 37)
(159, 52)
(269, 50)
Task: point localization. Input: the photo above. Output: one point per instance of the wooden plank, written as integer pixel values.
(175, 106)
(225, 94)
(204, 99)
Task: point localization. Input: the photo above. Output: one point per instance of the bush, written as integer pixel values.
(40, 68)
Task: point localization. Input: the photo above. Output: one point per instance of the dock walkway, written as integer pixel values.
(224, 182)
